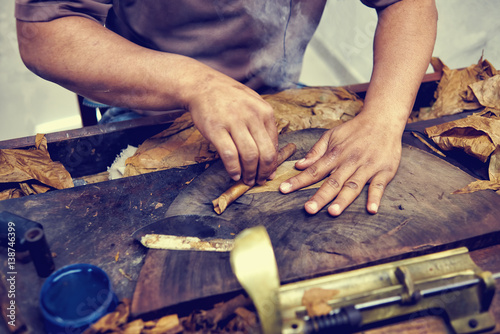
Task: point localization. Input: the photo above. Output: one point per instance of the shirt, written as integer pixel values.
(259, 43)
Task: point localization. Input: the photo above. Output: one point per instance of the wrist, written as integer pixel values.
(194, 79)
(387, 121)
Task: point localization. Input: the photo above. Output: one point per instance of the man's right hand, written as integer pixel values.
(239, 123)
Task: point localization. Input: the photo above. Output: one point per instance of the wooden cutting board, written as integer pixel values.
(418, 214)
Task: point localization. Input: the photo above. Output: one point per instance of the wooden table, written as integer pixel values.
(94, 223)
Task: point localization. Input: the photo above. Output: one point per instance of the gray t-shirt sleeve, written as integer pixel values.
(48, 10)
(378, 3)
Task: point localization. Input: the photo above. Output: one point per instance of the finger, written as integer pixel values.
(303, 179)
(314, 173)
(271, 128)
(267, 142)
(267, 162)
(325, 194)
(315, 153)
(248, 154)
(228, 153)
(376, 191)
(351, 189)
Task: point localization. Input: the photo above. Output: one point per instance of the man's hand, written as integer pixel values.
(351, 155)
(240, 124)
(367, 149)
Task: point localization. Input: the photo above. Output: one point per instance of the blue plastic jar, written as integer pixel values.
(74, 297)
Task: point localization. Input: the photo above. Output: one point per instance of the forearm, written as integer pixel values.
(85, 57)
(403, 45)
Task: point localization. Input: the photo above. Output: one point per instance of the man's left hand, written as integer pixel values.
(351, 155)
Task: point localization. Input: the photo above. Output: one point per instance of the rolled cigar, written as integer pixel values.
(239, 188)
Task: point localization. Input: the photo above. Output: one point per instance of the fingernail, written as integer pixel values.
(272, 176)
(250, 183)
(301, 160)
(335, 209)
(285, 187)
(236, 177)
(373, 208)
(313, 206)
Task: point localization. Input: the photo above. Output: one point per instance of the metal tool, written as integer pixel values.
(447, 284)
(40, 251)
(188, 232)
(13, 230)
(22, 235)
(248, 257)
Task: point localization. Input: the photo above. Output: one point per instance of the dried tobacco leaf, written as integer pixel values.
(315, 300)
(249, 317)
(479, 185)
(117, 322)
(477, 135)
(494, 167)
(32, 170)
(134, 327)
(494, 175)
(212, 318)
(111, 321)
(168, 324)
(313, 107)
(285, 171)
(487, 92)
(223, 317)
(454, 94)
(11, 193)
(165, 151)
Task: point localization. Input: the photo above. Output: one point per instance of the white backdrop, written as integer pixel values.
(341, 51)
(339, 54)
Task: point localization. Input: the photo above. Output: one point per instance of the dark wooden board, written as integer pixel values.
(92, 149)
(93, 224)
(418, 214)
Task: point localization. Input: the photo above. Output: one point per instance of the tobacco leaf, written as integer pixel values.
(11, 193)
(284, 171)
(313, 107)
(315, 300)
(32, 170)
(494, 167)
(168, 324)
(487, 93)
(477, 135)
(479, 185)
(165, 151)
(134, 327)
(454, 93)
(117, 322)
(295, 109)
(212, 318)
(248, 317)
(223, 317)
(245, 321)
(111, 321)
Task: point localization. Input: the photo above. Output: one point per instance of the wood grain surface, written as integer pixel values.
(418, 215)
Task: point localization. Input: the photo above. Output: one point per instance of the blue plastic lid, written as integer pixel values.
(74, 297)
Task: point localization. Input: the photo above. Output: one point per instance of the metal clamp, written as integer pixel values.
(446, 284)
